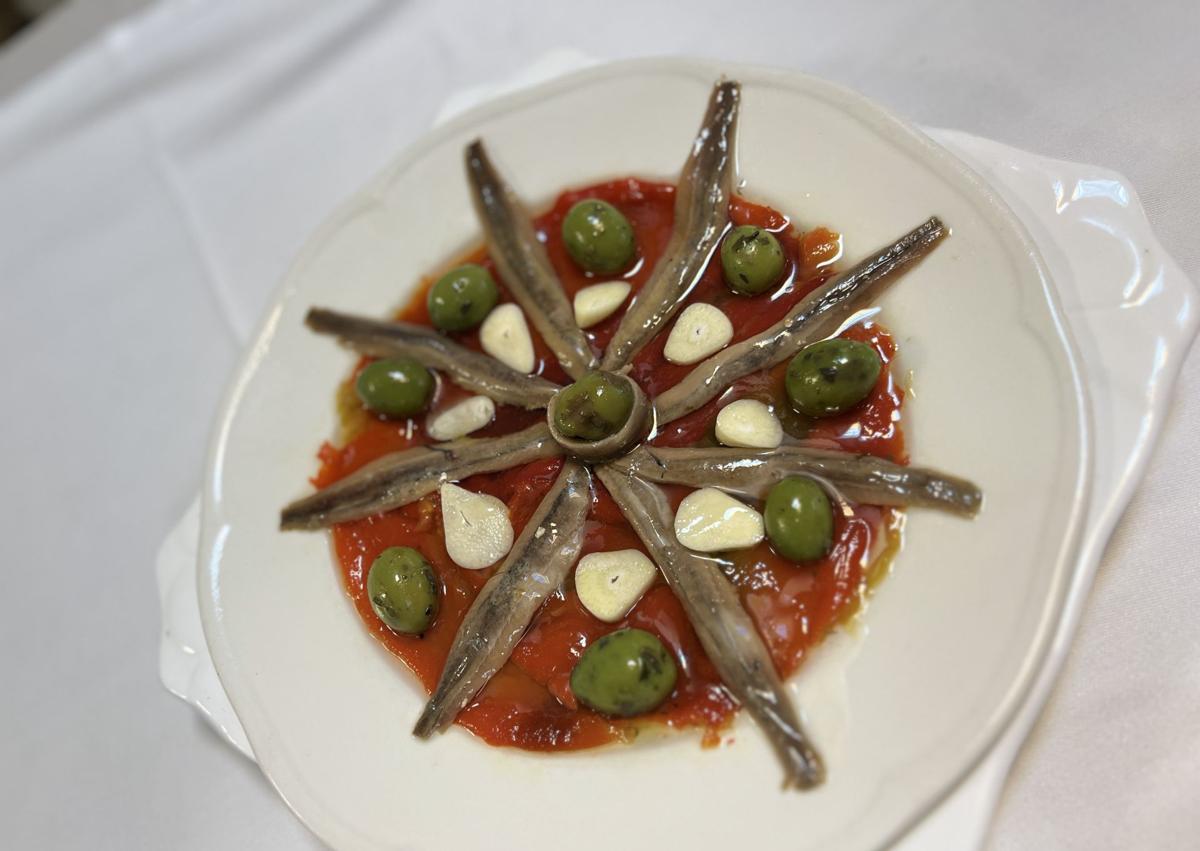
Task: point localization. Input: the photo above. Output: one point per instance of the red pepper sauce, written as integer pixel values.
(529, 704)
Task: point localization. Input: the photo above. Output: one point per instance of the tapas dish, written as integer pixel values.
(628, 462)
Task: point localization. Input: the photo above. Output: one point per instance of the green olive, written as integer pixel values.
(831, 377)
(598, 237)
(625, 673)
(403, 590)
(462, 298)
(799, 519)
(395, 387)
(594, 407)
(752, 259)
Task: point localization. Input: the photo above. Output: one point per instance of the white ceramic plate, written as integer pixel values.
(957, 634)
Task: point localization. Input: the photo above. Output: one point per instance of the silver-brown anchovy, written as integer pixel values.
(725, 630)
(402, 477)
(701, 216)
(524, 265)
(860, 478)
(813, 317)
(534, 569)
(466, 367)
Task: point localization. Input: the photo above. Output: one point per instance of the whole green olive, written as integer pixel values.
(462, 298)
(799, 519)
(752, 259)
(598, 237)
(394, 387)
(627, 672)
(831, 377)
(403, 590)
(594, 407)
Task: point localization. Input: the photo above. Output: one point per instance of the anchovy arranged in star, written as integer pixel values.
(533, 570)
(725, 630)
(523, 264)
(470, 369)
(701, 217)
(753, 472)
(813, 317)
(403, 477)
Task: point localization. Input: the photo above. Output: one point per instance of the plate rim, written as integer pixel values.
(1057, 609)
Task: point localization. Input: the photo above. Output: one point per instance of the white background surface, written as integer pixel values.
(156, 181)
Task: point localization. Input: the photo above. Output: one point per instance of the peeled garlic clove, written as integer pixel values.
(610, 584)
(505, 336)
(461, 418)
(478, 531)
(701, 330)
(599, 301)
(710, 520)
(750, 424)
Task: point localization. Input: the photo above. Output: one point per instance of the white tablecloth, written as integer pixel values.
(156, 182)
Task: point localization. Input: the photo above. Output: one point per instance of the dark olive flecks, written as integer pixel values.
(403, 590)
(752, 259)
(627, 672)
(831, 377)
(462, 298)
(594, 407)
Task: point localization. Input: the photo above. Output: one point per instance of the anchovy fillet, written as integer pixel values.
(534, 569)
(466, 367)
(403, 477)
(726, 631)
(523, 264)
(861, 478)
(701, 216)
(816, 315)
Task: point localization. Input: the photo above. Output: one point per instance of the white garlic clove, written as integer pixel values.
(504, 335)
(596, 303)
(750, 424)
(701, 330)
(710, 520)
(461, 418)
(478, 531)
(609, 584)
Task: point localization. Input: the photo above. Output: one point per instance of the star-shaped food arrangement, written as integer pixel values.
(706, 352)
